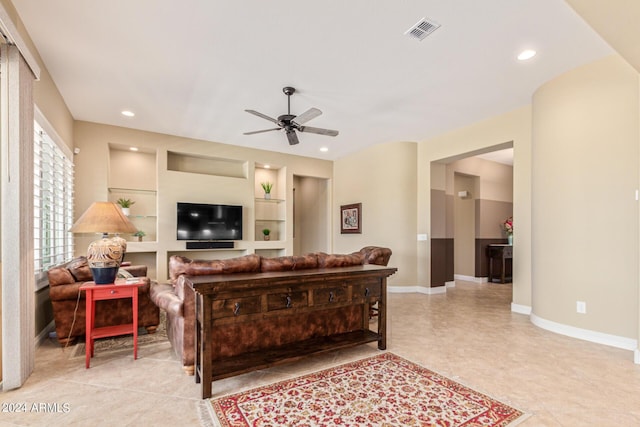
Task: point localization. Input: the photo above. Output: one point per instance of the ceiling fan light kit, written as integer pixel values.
(291, 123)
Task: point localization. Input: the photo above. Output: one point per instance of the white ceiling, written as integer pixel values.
(191, 67)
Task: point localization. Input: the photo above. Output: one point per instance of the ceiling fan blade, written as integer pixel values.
(292, 137)
(311, 113)
(264, 116)
(319, 131)
(260, 131)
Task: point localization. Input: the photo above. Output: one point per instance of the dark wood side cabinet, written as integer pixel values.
(246, 322)
(500, 258)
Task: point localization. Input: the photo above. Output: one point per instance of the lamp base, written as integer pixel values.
(104, 275)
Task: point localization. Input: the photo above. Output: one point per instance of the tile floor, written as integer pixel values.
(468, 334)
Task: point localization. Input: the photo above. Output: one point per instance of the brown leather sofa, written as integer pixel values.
(178, 300)
(69, 305)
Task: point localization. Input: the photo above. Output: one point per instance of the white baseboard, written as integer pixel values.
(520, 309)
(416, 289)
(44, 334)
(470, 278)
(451, 284)
(586, 335)
(636, 356)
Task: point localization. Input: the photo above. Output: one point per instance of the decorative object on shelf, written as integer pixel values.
(507, 225)
(267, 186)
(267, 234)
(139, 234)
(125, 204)
(351, 218)
(105, 255)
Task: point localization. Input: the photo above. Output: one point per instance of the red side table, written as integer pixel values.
(120, 289)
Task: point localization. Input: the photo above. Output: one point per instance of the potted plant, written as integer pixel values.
(139, 234)
(266, 232)
(267, 186)
(125, 204)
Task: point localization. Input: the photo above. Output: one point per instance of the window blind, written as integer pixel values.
(53, 203)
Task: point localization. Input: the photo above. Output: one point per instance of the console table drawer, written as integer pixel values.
(332, 295)
(236, 307)
(366, 291)
(286, 300)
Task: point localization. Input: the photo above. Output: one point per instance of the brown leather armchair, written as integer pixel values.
(68, 302)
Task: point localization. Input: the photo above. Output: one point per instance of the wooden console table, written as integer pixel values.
(500, 252)
(283, 301)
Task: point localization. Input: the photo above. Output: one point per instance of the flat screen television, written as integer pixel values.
(199, 221)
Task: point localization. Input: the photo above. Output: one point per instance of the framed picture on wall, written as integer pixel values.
(351, 218)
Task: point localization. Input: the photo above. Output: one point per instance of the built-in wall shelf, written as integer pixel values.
(263, 200)
(131, 190)
(205, 165)
(270, 213)
(132, 175)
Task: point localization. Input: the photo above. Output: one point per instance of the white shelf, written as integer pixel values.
(263, 200)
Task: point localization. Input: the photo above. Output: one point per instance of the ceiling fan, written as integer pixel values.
(291, 123)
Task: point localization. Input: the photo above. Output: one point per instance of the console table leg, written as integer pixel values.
(382, 316)
(206, 307)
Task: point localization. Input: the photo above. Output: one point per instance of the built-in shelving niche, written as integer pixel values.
(183, 162)
(132, 175)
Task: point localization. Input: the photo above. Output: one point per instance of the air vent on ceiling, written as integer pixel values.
(422, 29)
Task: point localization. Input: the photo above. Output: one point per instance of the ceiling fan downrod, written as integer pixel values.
(288, 90)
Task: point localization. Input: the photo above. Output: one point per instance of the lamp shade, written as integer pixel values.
(103, 217)
(104, 255)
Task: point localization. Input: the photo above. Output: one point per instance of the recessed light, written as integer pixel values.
(133, 148)
(324, 149)
(128, 113)
(526, 54)
(267, 166)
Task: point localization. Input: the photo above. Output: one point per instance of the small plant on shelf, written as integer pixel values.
(266, 232)
(267, 186)
(125, 204)
(139, 234)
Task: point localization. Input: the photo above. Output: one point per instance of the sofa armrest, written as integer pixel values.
(136, 270)
(163, 295)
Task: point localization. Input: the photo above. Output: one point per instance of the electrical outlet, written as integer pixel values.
(581, 307)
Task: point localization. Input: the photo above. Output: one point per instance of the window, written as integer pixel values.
(53, 203)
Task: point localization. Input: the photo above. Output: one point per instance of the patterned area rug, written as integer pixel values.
(384, 390)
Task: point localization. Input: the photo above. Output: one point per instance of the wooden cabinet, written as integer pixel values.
(500, 262)
(269, 318)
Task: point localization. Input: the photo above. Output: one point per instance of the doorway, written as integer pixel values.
(464, 225)
(471, 195)
(311, 215)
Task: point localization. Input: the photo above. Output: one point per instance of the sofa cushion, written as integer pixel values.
(339, 260)
(287, 263)
(376, 255)
(80, 270)
(60, 276)
(179, 265)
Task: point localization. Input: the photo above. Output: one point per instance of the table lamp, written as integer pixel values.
(105, 255)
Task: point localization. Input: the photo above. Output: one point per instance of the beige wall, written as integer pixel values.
(585, 215)
(383, 179)
(464, 225)
(510, 129)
